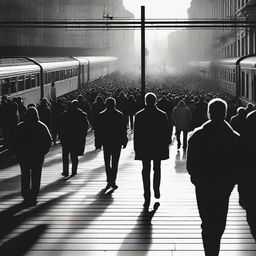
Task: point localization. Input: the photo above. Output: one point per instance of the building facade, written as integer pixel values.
(63, 41)
(224, 43)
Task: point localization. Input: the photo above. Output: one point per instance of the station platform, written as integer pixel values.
(76, 216)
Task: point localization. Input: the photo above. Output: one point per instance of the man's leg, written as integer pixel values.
(65, 161)
(25, 180)
(115, 160)
(107, 155)
(213, 201)
(185, 140)
(178, 132)
(74, 160)
(157, 178)
(36, 178)
(146, 181)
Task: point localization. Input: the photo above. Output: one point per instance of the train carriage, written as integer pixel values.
(20, 78)
(60, 76)
(248, 79)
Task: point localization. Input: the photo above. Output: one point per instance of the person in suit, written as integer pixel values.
(151, 142)
(97, 107)
(73, 132)
(181, 116)
(32, 142)
(247, 182)
(112, 136)
(212, 162)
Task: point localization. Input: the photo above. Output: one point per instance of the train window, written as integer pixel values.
(234, 76)
(247, 85)
(45, 77)
(49, 77)
(13, 84)
(21, 83)
(57, 76)
(253, 88)
(243, 84)
(28, 82)
(62, 76)
(5, 86)
(33, 81)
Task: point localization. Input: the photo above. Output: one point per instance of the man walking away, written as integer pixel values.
(112, 135)
(32, 142)
(73, 132)
(212, 162)
(151, 142)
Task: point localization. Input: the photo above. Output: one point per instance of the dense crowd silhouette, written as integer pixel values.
(218, 132)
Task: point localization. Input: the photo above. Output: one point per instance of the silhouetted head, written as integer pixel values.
(110, 103)
(44, 101)
(74, 104)
(150, 99)
(31, 116)
(241, 112)
(181, 104)
(80, 98)
(31, 105)
(164, 97)
(59, 101)
(99, 99)
(217, 109)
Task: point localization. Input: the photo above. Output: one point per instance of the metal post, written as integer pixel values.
(143, 57)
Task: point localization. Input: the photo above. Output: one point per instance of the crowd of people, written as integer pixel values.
(220, 155)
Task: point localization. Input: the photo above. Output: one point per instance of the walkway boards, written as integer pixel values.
(76, 217)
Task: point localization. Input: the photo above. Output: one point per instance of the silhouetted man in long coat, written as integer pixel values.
(73, 132)
(212, 163)
(32, 142)
(247, 183)
(151, 142)
(112, 135)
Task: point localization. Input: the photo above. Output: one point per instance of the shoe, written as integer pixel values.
(64, 174)
(114, 186)
(73, 174)
(108, 186)
(29, 202)
(157, 194)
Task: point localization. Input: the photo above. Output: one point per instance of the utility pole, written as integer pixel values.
(143, 54)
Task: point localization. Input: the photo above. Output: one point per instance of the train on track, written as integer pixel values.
(236, 76)
(35, 78)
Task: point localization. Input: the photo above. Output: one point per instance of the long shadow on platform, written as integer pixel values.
(20, 244)
(58, 184)
(142, 232)
(9, 221)
(103, 200)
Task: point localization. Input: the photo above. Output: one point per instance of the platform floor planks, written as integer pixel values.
(75, 217)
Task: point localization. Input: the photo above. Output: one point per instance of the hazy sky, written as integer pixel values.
(159, 8)
(173, 9)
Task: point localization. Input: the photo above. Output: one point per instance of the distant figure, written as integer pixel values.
(44, 112)
(165, 105)
(247, 184)
(113, 136)
(73, 132)
(151, 142)
(131, 108)
(200, 113)
(57, 110)
(97, 107)
(237, 122)
(181, 117)
(32, 142)
(212, 162)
